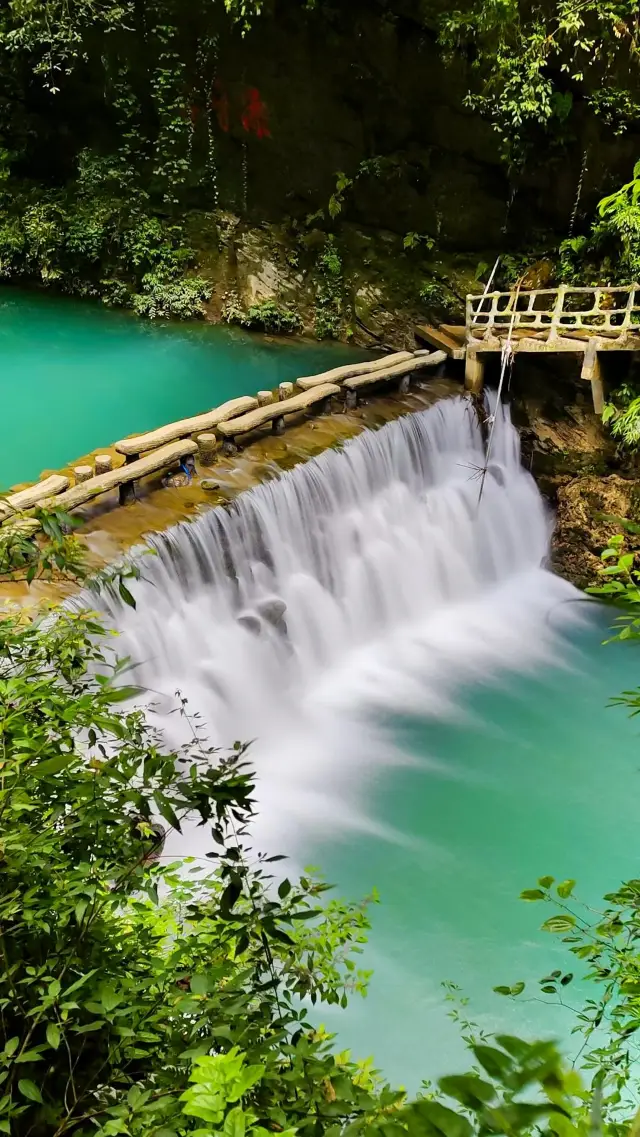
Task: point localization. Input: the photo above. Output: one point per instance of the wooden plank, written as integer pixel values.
(457, 332)
(26, 499)
(263, 415)
(307, 382)
(396, 372)
(186, 426)
(440, 339)
(102, 483)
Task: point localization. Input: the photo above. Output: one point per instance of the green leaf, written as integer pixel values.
(502, 990)
(123, 694)
(546, 881)
(468, 1089)
(29, 1090)
(53, 1035)
(79, 982)
(30, 1056)
(125, 594)
(533, 894)
(442, 1119)
(235, 1123)
(565, 889)
(496, 1063)
(52, 765)
(559, 924)
(199, 984)
(166, 810)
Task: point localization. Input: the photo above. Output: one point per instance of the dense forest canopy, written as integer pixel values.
(455, 123)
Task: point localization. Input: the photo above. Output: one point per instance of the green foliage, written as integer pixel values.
(433, 294)
(620, 213)
(330, 305)
(121, 970)
(418, 241)
(93, 241)
(143, 995)
(621, 580)
(52, 549)
(622, 414)
(336, 201)
(164, 297)
(269, 316)
(530, 63)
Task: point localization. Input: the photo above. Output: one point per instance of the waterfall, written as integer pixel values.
(370, 583)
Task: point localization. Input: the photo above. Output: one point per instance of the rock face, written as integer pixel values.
(361, 286)
(363, 89)
(575, 463)
(587, 509)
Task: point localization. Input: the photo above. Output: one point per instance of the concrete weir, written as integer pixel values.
(108, 531)
(177, 443)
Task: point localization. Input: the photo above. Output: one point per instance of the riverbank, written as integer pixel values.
(587, 481)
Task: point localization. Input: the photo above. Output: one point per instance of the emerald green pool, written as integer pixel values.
(76, 376)
(538, 776)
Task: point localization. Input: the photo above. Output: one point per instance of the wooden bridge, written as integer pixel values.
(585, 321)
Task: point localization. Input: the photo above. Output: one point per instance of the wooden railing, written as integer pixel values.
(610, 312)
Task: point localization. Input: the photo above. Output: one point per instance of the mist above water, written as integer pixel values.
(370, 583)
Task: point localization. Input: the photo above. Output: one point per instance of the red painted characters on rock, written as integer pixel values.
(255, 115)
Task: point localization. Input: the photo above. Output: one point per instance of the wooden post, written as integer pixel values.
(592, 373)
(127, 493)
(404, 384)
(104, 463)
(277, 425)
(207, 448)
(229, 447)
(325, 406)
(351, 400)
(264, 398)
(82, 474)
(473, 372)
(285, 391)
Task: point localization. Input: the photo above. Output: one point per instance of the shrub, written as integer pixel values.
(165, 297)
(269, 316)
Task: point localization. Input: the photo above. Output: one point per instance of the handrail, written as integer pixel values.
(495, 310)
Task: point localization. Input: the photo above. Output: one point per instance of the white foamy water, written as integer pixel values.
(368, 583)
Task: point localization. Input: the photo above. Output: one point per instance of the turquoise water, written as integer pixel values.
(541, 778)
(76, 376)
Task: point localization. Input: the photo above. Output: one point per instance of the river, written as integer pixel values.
(428, 704)
(77, 376)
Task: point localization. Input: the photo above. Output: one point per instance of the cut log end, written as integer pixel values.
(207, 449)
(82, 474)
(285, 391)
(264, 398)
(103, 463)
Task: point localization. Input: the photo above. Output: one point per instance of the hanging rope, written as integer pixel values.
(506, 364)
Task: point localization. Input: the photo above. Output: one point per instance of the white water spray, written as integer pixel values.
(366, 584)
